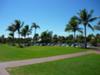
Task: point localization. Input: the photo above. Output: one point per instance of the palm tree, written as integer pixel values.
(35, 26)
(73, 26)
(46, 37)
(86, 18)
(55, 39)
(12, 29)
(25, 31)
(36, 38)
(18, 25)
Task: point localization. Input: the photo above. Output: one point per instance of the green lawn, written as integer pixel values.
(8, 53)
(84, 65)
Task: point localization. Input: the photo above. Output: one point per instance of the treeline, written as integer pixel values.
(47, 38)
(78, 23)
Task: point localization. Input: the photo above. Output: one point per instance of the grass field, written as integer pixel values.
(8, 53)
(84, 65)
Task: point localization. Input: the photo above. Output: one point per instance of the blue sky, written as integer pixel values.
(51, 15)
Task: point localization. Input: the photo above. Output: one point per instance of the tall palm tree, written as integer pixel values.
(18, 25)
(25, 31)
(86, 18)
(12, 30)
(35, 26)
(29, 30)
(73, 26)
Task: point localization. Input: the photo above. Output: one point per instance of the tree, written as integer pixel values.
(46, 37)
(18, 25)
(90, 37)
(35, 26)
(80, 38)
(86, 18)
(25, 31)
(36, 38)
(55, 39)
(73, 26)
(12, 29)
(2, 39)
(61, 39)
(97, 38)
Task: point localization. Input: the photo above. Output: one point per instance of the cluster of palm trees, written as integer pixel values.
(83, 18)
(22, 30)
(15, 27)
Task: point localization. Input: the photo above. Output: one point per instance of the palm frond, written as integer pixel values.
(34, 25)
(80, 31)
(68, 28)
(22, 25)
(93, 19)
(90, 26)
(90, 14)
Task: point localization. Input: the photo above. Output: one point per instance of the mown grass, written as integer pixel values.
(84, 65)
(8, 53)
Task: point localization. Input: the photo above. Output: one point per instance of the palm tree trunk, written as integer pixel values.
(85, 40)
(19, 36)
(34, 32)
(13, 38)
(18, 33)
(34, 35)
(13, 35)
(74, 38)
